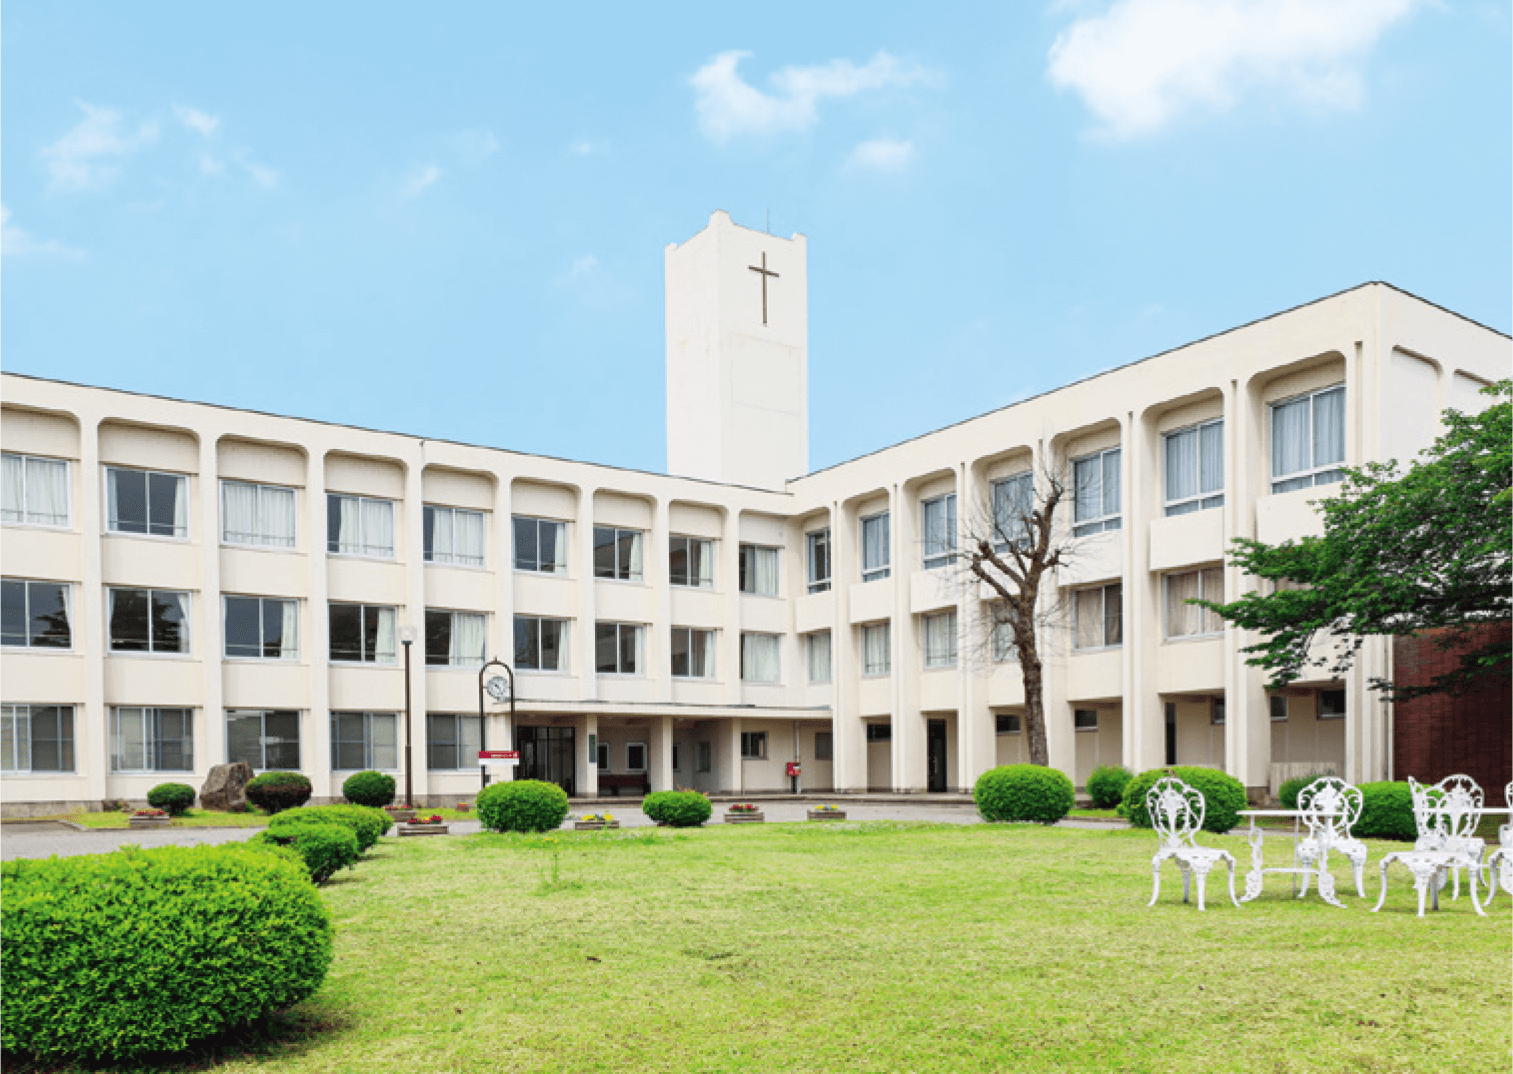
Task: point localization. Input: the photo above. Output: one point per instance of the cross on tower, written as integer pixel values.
(765, 271)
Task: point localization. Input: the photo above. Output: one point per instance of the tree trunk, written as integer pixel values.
(1034, 705)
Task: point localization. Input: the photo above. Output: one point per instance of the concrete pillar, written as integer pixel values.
(581, 653)
(92, 721)
(588, 759)
(1247, 711)
(315, 750)
(909, 763)
(976, 746)
(732, 778)
(1143, 719)
(411, 523)
(659, 750)
(848, 734)
(206, 529)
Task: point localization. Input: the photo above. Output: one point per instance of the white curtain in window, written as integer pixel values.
(766, 563)
(384, 647)
(1182, 465)
(467, 639)
(940, 640)
(47, 492)
(876, 658)
(288, 644)
(443, 526)
(239, 505)
(559, 557)
(1087, 476)
(634, 564)
(1089, 619)
(1011, 509)
(701, 654)
(875, 544)
(277, 509)
(129, 741)
(469, 538)
(349, 525)
(1329, 427)
(1111, 482)
(181, 507)
(112, 499)
(759, 657)
(1211, 473)
(1289, 438)
(15, 739)
(819, 657)
(1212, 585)
(384, 732)
(12, 481)
(378, 528)
(1183, 620)
(701, 563)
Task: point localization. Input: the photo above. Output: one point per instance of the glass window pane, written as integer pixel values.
(1111, 482)
(129, 630)
(243, 627)
(1211, 468)
(1182, 465)
(438, 638)
(1329, 427)
(527, 643)
(127, 493)
(170, 632)
(244, 738)
(48, 604)
(604, 552)
(526, 558)
(630, 638)
(14, 620)
(553, 640)
(164, 493)
(606, 648)
(1290, 438)
(552, 540)
(346, 631)
(385, 738)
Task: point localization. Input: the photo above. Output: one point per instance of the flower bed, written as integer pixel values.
(149, 818)
(401, 813)
(827, 812)
(429, 825)
(593, 822)
(744, 813)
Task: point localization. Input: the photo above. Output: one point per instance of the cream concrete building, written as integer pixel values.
(186, 584)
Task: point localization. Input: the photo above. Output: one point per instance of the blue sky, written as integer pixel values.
(449, 219)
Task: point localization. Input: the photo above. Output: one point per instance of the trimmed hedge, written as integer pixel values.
(369, 789)
(366, 823)
(1288, 792)
(274, 792)
(1105, 785)
(325, 847)
(522, 805)
(1223, 796)
(113, 956)
(677, 809)
(175, 798)
(1023, 792)
(1386, 812)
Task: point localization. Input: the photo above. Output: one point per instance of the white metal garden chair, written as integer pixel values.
(1447, 815)
(1330, 808)
(1500, 864)
(1176, 812)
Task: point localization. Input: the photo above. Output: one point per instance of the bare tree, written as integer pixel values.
(1010, 546)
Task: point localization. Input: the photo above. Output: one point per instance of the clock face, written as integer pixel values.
(498, 688)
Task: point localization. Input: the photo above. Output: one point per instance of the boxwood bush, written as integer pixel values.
(1288, 792)
(173, 798)
(1105, 785)
(324, 846)
(1223, 796)
(369, 789)
(522, 805)
(274, 792)
(367, 824)
(677, 809)
(1021, 792)
(1386, 812)
(113, 956)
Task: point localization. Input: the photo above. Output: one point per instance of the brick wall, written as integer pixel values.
(1441, 735)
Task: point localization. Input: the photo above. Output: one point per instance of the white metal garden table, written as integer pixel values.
(1259, 869)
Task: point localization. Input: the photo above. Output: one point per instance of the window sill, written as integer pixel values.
(876, 578)
(292, 662)
(158, 537)
(620, 675)
(128, 655)
(458, 566)
(11, 773)
(390, 558)
(818, 588)
(763, 682)
(623, 581)
(544, 574)
(39, 650)
(940, 667)
(763, 596)
(45, 526)
(375, 664)
(552, 673)
(1097, 649)
(704, 680)
(877, 674)
(276, 548)
(692, 588)
(1187, 639)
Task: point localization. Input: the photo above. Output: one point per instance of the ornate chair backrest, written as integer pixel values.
(1458, 803)
(1424, 816)
(1330, 807)
(1505, 833)
(1176, 810)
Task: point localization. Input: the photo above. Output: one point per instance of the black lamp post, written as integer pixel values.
(493, 686)
(407, 638)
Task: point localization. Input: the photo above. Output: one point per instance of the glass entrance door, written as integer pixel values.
(935, 754)
(547, 754)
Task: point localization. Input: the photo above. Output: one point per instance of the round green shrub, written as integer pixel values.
(1386, 812)
(1223, 796)
(1020, 792)
(677, 809)
(112, 956)
(367, 824)
(274, 792)
(174, 798)
(369, 789)
(1288, 792)
(1105, 785)
(522, 805)
(324, 846)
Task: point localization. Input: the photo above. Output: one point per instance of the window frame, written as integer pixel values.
(948, 659)
(147, 476)
(68, 491)
(1320, 714)
(362, 626)
(30, 644)
(824, 746)
(262, 621)
(262, 715)
(777, 644)
(747, 574)
(1271, 705)
(1313, 475)
(1002, 726)
(1217, 713)
(878, 524)
(868, 671)
(621, 572)
(602, 756)
(810, 640)
(1203, 499)
(1108, 521)
(1001, 638)
(933, 557)
(639, 630)
(454, 559)
(817, 551)
(263, 542)
(153, 741)
(1007, 530)
(1205, 617)
(706, 558)
(186, 649)
(630, 765)
(879, 732)
(564, 632)
(11, 718)
(333, 499)
(1102, 590)
(672, 653)
(753, 745)
(1084, 728)
(458, 744)
(515, 521)
(452, 614)
(368, 740)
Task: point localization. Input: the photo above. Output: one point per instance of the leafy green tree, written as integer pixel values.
(1427, 548)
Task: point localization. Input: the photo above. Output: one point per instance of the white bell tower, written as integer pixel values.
(738, 356)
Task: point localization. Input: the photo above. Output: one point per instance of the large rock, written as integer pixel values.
(226, 786)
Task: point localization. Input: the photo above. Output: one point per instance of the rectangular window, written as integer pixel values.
(151, 740)
(1099, 617)
(617, 553)
(34, 490)
(1195, 468)
(455, 639)
(692, 653)
(1308, 440)
(36, 614)
(1013, 500)
(879, 732)
(1095, 493)
(1004, 649)
(877, 556)
(940, 640)
(635, 757)
(938, 523)
(619, 648)
(1184, 620)
(690, 562)
(364, 740)
(1009, 724)
(261, 628)
(677, 757)
(358, 526)
(602, 750)
(1331, 704)
(540, 545)
(877, 649)
(36, 738)
(1085, 719)
(452, 741)
(268, 740)
(149, 621)
(145, 501)
(362, 633)
(817, 649)
(817, 546)
(540, 644)
(1216, 712)
(824, 745)
(759, 657)
(453, 536)
(759, 570)
(259, 515)
(753, 745)
(703, 757)
(1278, 708)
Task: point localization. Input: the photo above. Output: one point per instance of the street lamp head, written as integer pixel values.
(407, 635)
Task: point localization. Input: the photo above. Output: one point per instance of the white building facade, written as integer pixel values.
(187, 584)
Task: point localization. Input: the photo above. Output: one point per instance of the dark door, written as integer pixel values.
(546, 753)
(935, 753)
(1171, 733)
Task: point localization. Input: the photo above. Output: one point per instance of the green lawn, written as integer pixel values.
(209, 818)
(871, 947)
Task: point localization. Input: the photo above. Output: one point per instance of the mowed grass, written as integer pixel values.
(873, 947)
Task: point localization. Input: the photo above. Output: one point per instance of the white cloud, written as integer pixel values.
(264, 176)
(414, 184)
(89, 155)
(728, 105)
(883, 154)
(210, 165)
(584, 148)
(17, 243)
(476, 145)
(196, 120)
(1141, 64)
(594, 286)
(583, 268)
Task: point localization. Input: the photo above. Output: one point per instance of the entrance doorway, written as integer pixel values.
(935, 754)
(546, 753)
